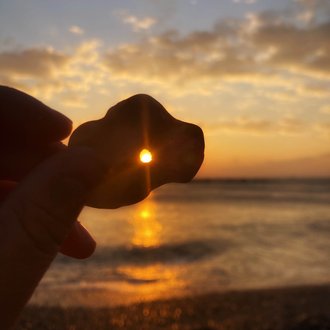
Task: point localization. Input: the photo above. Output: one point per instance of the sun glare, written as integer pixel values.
(145, 156)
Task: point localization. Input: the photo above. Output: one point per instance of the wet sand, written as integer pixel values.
(296, 308)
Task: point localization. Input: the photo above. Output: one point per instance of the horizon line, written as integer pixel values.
(262, 178)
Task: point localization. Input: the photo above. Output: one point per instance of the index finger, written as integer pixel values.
(25, 121)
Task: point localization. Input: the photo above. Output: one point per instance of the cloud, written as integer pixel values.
(242, 125)
(291, 125)
(72, 99)
(135, 22)
(313, 9)
(325, 109)
(259, 47)
(319, 89)
(304, 50)
(38, 62)
(74, 29)
(324, 128)
(274, 56)
(287, 125)
(44, 72)
(266, 48)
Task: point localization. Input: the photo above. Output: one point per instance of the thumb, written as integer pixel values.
(36, 218)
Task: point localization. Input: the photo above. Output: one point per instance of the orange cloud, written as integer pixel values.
(45, 72)
(37, 62)
(247, 125)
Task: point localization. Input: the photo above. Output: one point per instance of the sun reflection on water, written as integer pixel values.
(146, 228)
(152, 282)
(152, 279)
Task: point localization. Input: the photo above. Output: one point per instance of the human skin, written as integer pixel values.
(43, 187)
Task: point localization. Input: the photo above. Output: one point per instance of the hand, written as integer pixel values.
(43, 187)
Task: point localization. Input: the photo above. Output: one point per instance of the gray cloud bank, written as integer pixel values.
(262, 45)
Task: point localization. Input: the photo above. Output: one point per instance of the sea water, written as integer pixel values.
(206, 236)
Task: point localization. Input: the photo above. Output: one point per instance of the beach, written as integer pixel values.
(295, 308)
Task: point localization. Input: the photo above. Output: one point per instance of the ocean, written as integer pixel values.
(202, 237)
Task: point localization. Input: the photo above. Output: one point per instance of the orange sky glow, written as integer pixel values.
(255, 75)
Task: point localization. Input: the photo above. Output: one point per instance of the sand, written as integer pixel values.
(296, 308)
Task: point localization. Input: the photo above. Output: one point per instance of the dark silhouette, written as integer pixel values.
(130, 126)
(44, 185)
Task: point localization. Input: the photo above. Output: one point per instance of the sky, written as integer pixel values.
(254, 74)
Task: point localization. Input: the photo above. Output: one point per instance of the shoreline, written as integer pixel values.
(293, 308)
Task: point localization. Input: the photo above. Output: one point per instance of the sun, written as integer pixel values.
(145, 156)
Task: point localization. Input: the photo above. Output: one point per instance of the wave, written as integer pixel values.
(182, 252)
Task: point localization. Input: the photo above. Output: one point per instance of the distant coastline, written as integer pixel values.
(263, 180)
